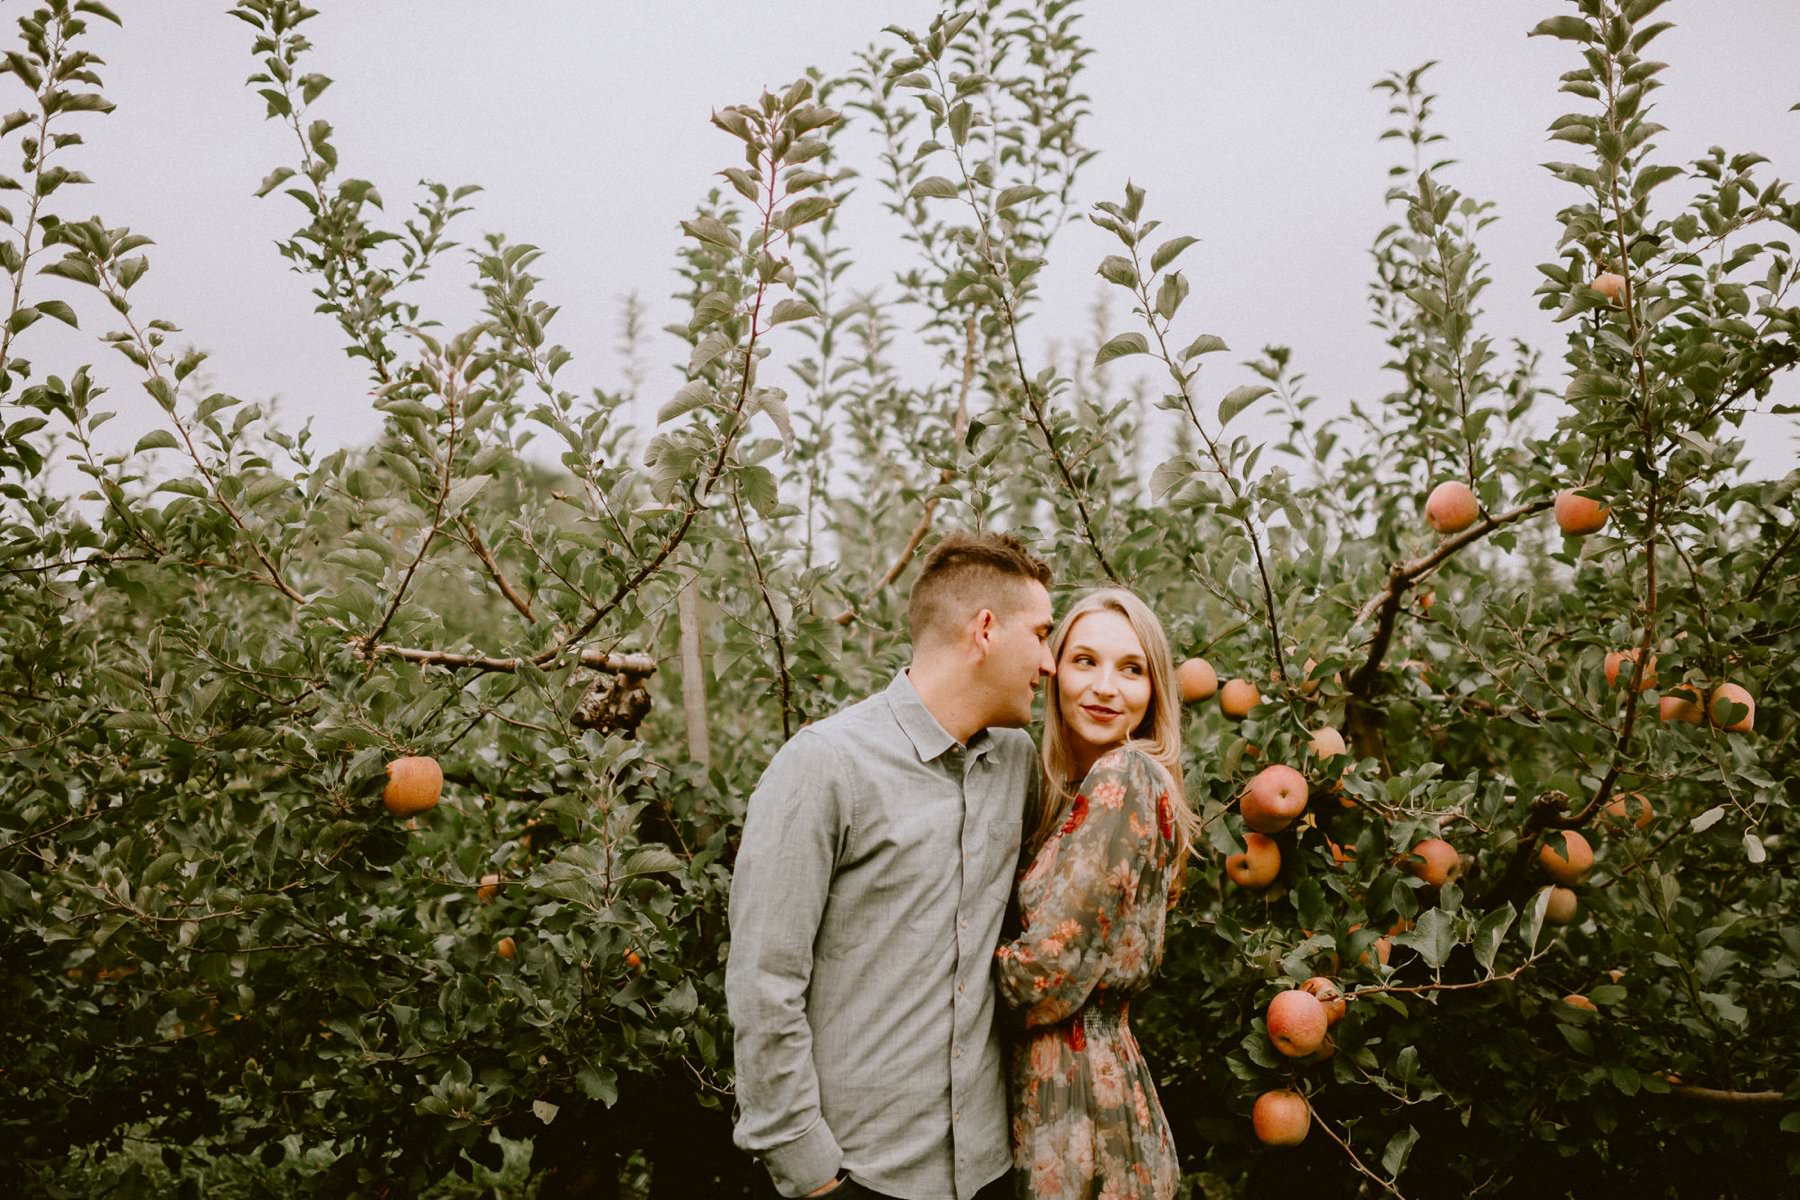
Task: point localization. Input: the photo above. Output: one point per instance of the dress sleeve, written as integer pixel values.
(1095, 861)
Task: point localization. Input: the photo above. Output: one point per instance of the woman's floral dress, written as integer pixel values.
(1086, 1124)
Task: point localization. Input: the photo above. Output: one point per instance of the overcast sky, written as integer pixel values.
(1251, 123)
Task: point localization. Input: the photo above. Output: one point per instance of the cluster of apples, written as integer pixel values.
(415, 784)
(1451, 508)
(1299, 1022)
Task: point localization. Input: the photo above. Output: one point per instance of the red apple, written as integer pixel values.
(1577, 515)
(1451, 507)
(1563, 908)
(1610, 285)
(1577, 1000)
(413, 786)
(1680, 703)
(1723, 697)
(1237, 698)
(1274, 797)
(1568, 862)
(1630, 808)
(1259, 864)
(1616, 669)
(1435, 861)
(1330, 996)
(1297, 1023)
(1281, 1118)
(1197, 679)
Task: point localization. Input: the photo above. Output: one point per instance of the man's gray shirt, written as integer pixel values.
(873, 876)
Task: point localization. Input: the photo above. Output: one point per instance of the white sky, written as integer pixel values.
(1251, 123)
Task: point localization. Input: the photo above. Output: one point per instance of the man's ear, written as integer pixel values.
(981, 629)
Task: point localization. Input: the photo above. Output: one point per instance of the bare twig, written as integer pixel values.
(480, 550)
(1354, 1160)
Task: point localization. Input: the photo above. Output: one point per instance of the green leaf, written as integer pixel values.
(1165, 253)
(651, 860)
(1240, 398)
(1120, 346)
(1117, 269)
(599, 1083)
(695, 393)
(791, 309)
(1572, 29)
(1018, 194)
(1534, 919)
(1434, 937)
(1707, 819)
(1489, 934)
(274, 179)
(1399, 1149)
(805, 210)
(59, 310)
(713, 232)
(1169, 296)
(464, 491)
(156, 439)
(1206, 343)
(934, 187)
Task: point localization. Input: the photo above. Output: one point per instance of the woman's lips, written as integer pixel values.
(1098, 713)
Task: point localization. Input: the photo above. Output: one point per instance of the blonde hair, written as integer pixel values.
(1158, 736)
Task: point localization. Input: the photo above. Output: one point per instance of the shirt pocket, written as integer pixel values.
(1002, 852)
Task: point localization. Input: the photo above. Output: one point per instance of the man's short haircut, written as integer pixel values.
(965, 573)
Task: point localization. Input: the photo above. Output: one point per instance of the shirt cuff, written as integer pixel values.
(807, 1163)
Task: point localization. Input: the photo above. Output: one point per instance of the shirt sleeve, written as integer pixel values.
(1094, 861)
(793, 830)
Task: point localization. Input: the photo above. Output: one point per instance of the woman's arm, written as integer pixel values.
(1048, 972)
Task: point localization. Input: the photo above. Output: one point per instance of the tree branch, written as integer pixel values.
(592, 657)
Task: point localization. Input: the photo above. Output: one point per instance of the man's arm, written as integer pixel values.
(785, 862)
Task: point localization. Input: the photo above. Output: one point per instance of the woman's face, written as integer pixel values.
(1103, 681)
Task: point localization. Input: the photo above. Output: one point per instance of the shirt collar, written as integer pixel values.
(929, 739)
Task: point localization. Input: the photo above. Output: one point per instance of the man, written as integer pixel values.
(875, 869)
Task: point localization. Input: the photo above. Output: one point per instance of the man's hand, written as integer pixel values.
(829, 1188)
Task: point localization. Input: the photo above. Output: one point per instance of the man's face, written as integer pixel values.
(1019, 656)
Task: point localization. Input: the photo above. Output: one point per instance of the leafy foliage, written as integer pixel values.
(233, 972)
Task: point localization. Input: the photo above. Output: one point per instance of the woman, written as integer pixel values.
(1111, 836)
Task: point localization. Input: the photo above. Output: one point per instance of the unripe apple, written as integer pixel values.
(1567, 863)
(1237, 698)
(1297, 1023)
(1330, 997)
(1723, 697)
(1273, 798)
(1630, 808)
(1680, 703)
(1197, 679)
(1610, 285)
(413, 786)
(1577, 515)
(1259, 864)
(1616, 669)
(1435, 861)
(1451, 507)
(1563, 908)
(1577, 1000)
(1281, 1118)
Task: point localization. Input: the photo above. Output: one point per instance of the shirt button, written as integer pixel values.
(959, 1052)
(959, 988)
